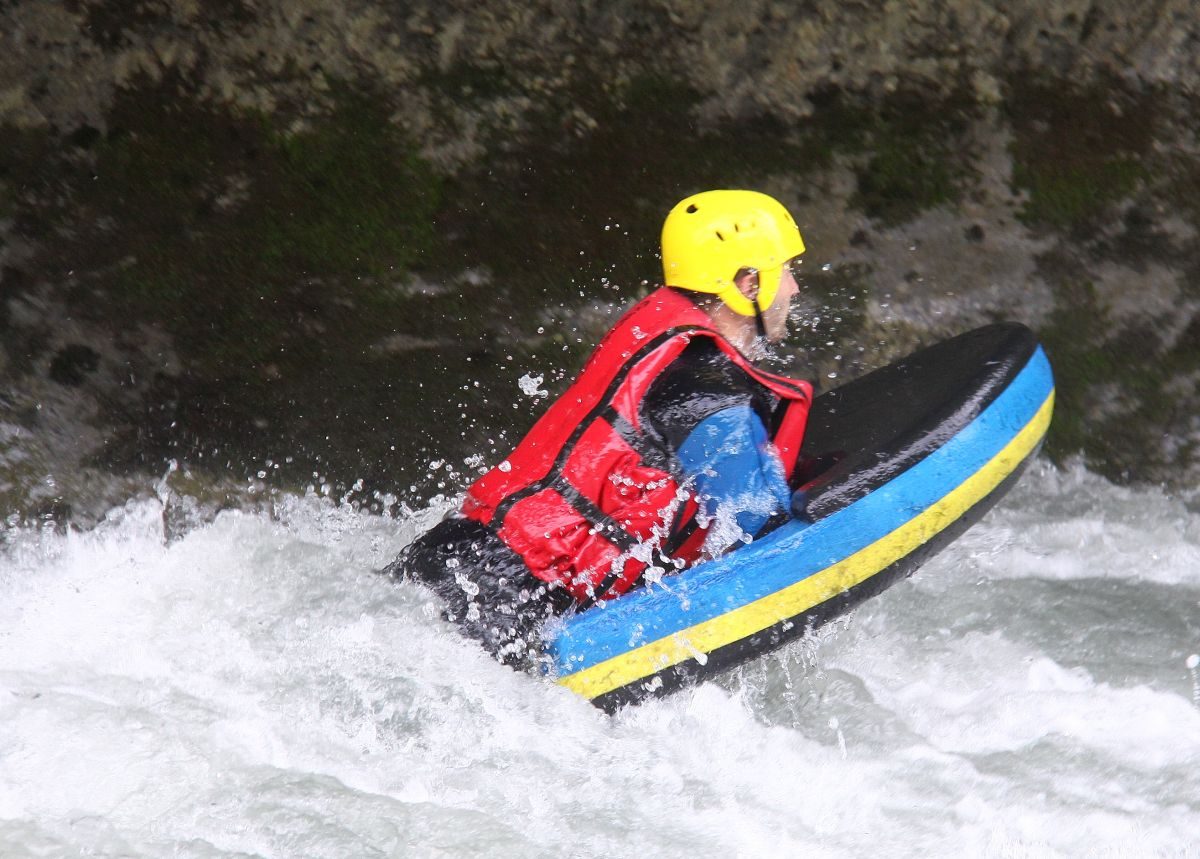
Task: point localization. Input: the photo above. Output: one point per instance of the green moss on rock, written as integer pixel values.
(8, 203)
(578, 206)
(311, 276)
(239, 237)
(1066, 195)
(1114, 400)
(29, 167)
(1076, 153)
(916, 157)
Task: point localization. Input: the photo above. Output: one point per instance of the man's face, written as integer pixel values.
(776, 316)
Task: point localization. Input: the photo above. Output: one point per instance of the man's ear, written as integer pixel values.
(746, 280)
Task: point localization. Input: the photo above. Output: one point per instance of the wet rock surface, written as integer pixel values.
(301, 244)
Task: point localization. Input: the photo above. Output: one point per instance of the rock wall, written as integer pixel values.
(320, 243)
(501, 64)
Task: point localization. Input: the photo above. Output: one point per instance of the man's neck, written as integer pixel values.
(737, 329)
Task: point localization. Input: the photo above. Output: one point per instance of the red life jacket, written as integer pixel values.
(576, 499)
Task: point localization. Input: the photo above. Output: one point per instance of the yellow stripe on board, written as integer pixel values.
(798, 598)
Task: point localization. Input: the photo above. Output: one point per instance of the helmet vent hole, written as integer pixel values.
(719, 236)
(691, 210)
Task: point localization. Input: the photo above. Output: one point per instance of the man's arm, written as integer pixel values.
(736, 472)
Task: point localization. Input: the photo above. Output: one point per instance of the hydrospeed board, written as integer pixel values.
(923, 448)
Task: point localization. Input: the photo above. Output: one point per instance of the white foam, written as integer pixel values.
(1071, 524)
(255, 688)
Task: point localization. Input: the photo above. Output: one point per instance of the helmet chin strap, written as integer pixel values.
(760, 324)
(759, 321)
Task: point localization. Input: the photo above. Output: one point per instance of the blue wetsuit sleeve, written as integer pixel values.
(730, 460)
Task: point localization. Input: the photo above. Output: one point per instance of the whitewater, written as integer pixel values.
(254, 688)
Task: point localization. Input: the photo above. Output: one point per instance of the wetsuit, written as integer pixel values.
(704, 420)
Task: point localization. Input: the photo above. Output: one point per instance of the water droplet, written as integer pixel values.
(530, 384)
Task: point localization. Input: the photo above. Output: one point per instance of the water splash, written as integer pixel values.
(254, 687)
(1193, 665)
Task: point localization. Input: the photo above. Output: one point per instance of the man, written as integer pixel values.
(669, 448)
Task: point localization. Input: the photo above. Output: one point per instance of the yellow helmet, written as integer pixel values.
(710, 236)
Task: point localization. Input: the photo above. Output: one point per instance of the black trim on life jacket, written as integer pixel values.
(664, 564)
(636, 440)
(601, 521)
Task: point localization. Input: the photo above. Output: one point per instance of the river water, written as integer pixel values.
(252, 688)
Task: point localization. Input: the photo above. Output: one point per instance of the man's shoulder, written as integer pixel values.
(705, 365)
(702, 381)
